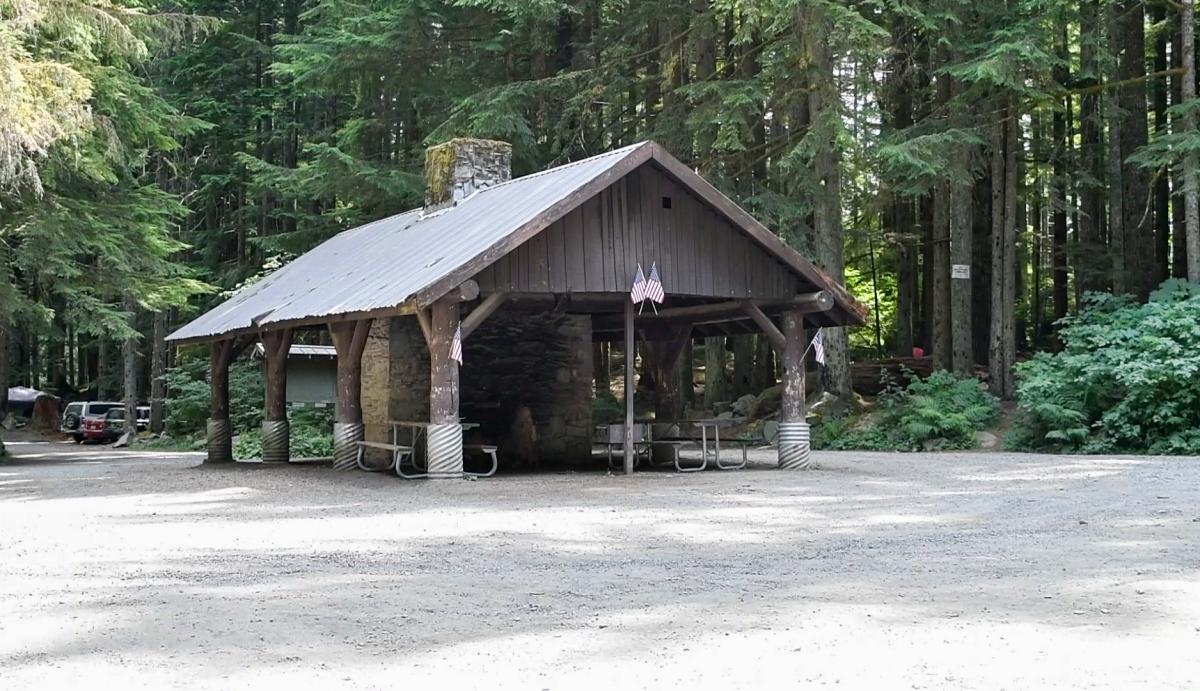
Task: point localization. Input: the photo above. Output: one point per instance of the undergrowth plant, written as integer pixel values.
(942, 411)
(1127, 378)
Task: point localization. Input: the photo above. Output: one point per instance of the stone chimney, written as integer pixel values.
(460, 167)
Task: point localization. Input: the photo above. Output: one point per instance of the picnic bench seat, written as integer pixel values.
(486, 449)
(399, 452)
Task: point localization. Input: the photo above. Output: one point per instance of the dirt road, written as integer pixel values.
(947, 571)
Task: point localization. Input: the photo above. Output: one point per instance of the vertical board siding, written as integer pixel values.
(597, 247)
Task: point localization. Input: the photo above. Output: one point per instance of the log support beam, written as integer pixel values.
(275, 430)
(629, 387)
(718, 312)
(793, 444)
(349, 339)
(220, 432)
(445, 438)
(772, 332)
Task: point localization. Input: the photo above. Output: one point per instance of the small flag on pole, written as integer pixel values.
(654, 287)
(456, 346)
(638, 292)
(818, 346)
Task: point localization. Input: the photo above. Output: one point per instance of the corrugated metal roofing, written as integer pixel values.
(384, 263)
(301, 350)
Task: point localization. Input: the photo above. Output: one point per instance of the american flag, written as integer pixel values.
(654, 287)
(818, 346)
(638, 292)
(456, 346)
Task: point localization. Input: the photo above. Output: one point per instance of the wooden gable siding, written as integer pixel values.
(596, 248)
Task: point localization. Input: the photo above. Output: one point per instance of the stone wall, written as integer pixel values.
(541, 361)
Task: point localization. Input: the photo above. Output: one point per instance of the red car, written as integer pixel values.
(104, 428)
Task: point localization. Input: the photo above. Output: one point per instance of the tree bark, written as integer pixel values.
(4, 370)
(1116, 199)
(1060, 155)
(1131, 97)
(1191, 164)
(715, 384)
(743, 365)
(276, 345)
(961, 245)
(1002, 345)
(1092, 270)
(158, 373)
(823, 106)
(129, 356)
(349, 338)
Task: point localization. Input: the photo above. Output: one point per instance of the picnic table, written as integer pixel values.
(613, 436)
(417, 431)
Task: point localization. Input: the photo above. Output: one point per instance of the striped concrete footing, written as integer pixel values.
(275, 441)
(220, 441)
(345, 448)
(794, 446)
(445, 451)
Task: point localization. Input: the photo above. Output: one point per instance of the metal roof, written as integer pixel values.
(386, 263)
(301, 350)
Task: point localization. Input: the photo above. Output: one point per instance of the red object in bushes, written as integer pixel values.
(918, 351)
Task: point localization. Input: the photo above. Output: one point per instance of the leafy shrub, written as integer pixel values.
(606, 409)
(1127, 379)
(187, 407)
(943, 409)
(311, 435)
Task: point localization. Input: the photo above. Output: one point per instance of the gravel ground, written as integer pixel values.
(954, 571)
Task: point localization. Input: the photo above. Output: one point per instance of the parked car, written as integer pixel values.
(79, 413)
(75, 414)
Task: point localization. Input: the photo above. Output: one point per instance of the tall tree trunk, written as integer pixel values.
(1061, 154)
(4, 373)
(1092, 270)
(899, 219)
(1138, 241)
(129, 356)
(1160, 88)
(158, 372)
(961, 244)
(743, 365)
(1178, 205)
(1116, 198)
(943, 355)
(716, 387)
(1002, 170)
(1191, 163)
(823, 100)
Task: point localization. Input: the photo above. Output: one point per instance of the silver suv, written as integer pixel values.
(74, 414)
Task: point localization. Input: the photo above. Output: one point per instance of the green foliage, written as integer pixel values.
(187, 407)
(1127, 379)
(943, 410)
(311, 435)
(606, 409)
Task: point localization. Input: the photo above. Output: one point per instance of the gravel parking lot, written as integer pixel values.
(954, 571)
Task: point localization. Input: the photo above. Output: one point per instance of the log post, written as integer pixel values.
(349, 339)
(629, 388)
(276, 432)
(793, 426)
(445, 438)
(220, 432)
